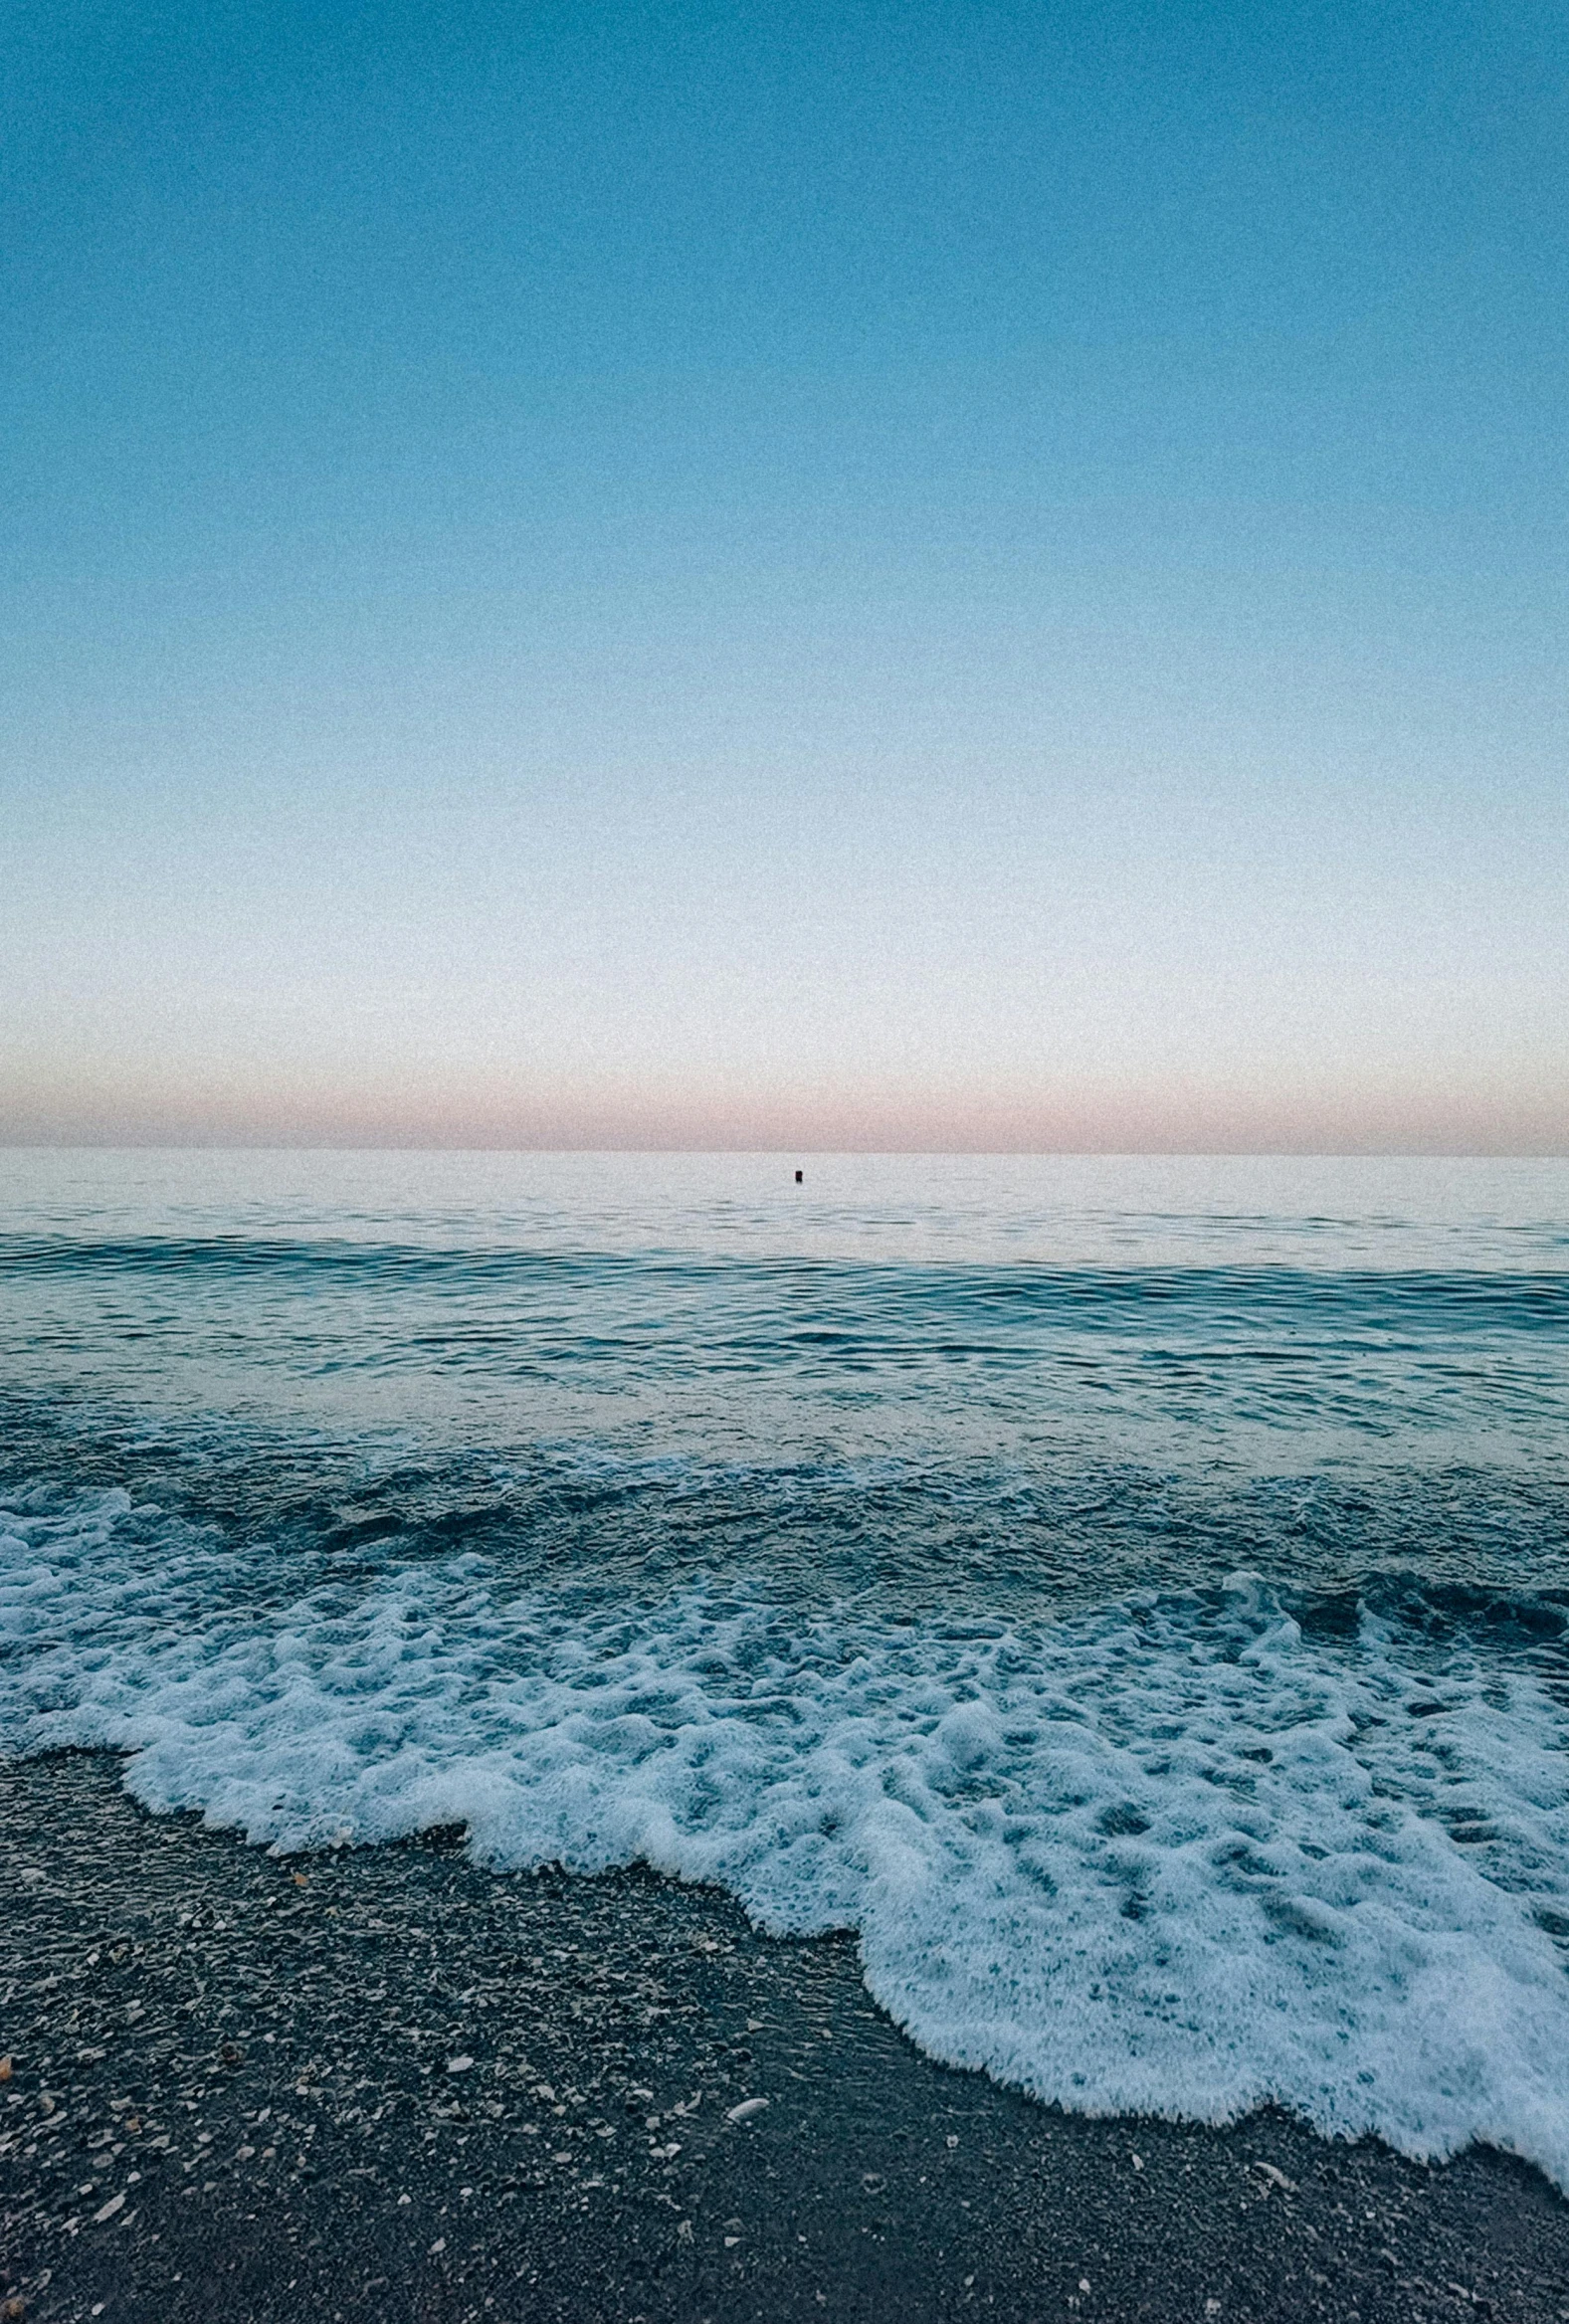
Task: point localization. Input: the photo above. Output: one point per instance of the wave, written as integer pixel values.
(1379, 1298)
(934, 1525)
(1186, 1851)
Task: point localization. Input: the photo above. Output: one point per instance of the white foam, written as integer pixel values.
(1173, 1856)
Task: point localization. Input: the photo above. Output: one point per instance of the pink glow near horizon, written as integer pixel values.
(506, 1114)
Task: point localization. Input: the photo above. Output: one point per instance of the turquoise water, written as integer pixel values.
(1132, 1594)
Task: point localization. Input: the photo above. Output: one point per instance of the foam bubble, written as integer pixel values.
(1175, 1855)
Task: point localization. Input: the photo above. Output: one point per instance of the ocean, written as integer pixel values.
(1131, 1593)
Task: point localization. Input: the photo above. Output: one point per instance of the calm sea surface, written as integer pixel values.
(1132, 1594)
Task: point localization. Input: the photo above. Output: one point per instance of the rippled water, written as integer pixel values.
(1132, 1594)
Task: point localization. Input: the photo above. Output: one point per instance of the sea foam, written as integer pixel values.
(1178, 1854)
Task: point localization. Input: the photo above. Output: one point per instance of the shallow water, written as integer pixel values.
(1131, 1593)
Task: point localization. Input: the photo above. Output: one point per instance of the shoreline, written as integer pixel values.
(391, 2084)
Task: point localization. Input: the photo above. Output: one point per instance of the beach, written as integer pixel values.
(614, 1738)
(784, 1167)
(393, 2084)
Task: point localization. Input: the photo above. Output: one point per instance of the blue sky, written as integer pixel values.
(851, 575)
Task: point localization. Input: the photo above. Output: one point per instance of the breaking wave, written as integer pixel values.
(1185, 1852)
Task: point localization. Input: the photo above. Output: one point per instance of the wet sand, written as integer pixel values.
(392, 2084)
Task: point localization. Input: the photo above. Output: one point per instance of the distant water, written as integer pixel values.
(1132, 1594)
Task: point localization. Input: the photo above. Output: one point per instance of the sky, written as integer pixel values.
(933, 576)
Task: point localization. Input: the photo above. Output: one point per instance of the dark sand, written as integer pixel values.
(237, 2093)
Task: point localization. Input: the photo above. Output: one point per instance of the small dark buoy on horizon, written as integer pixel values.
(798, 1177)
